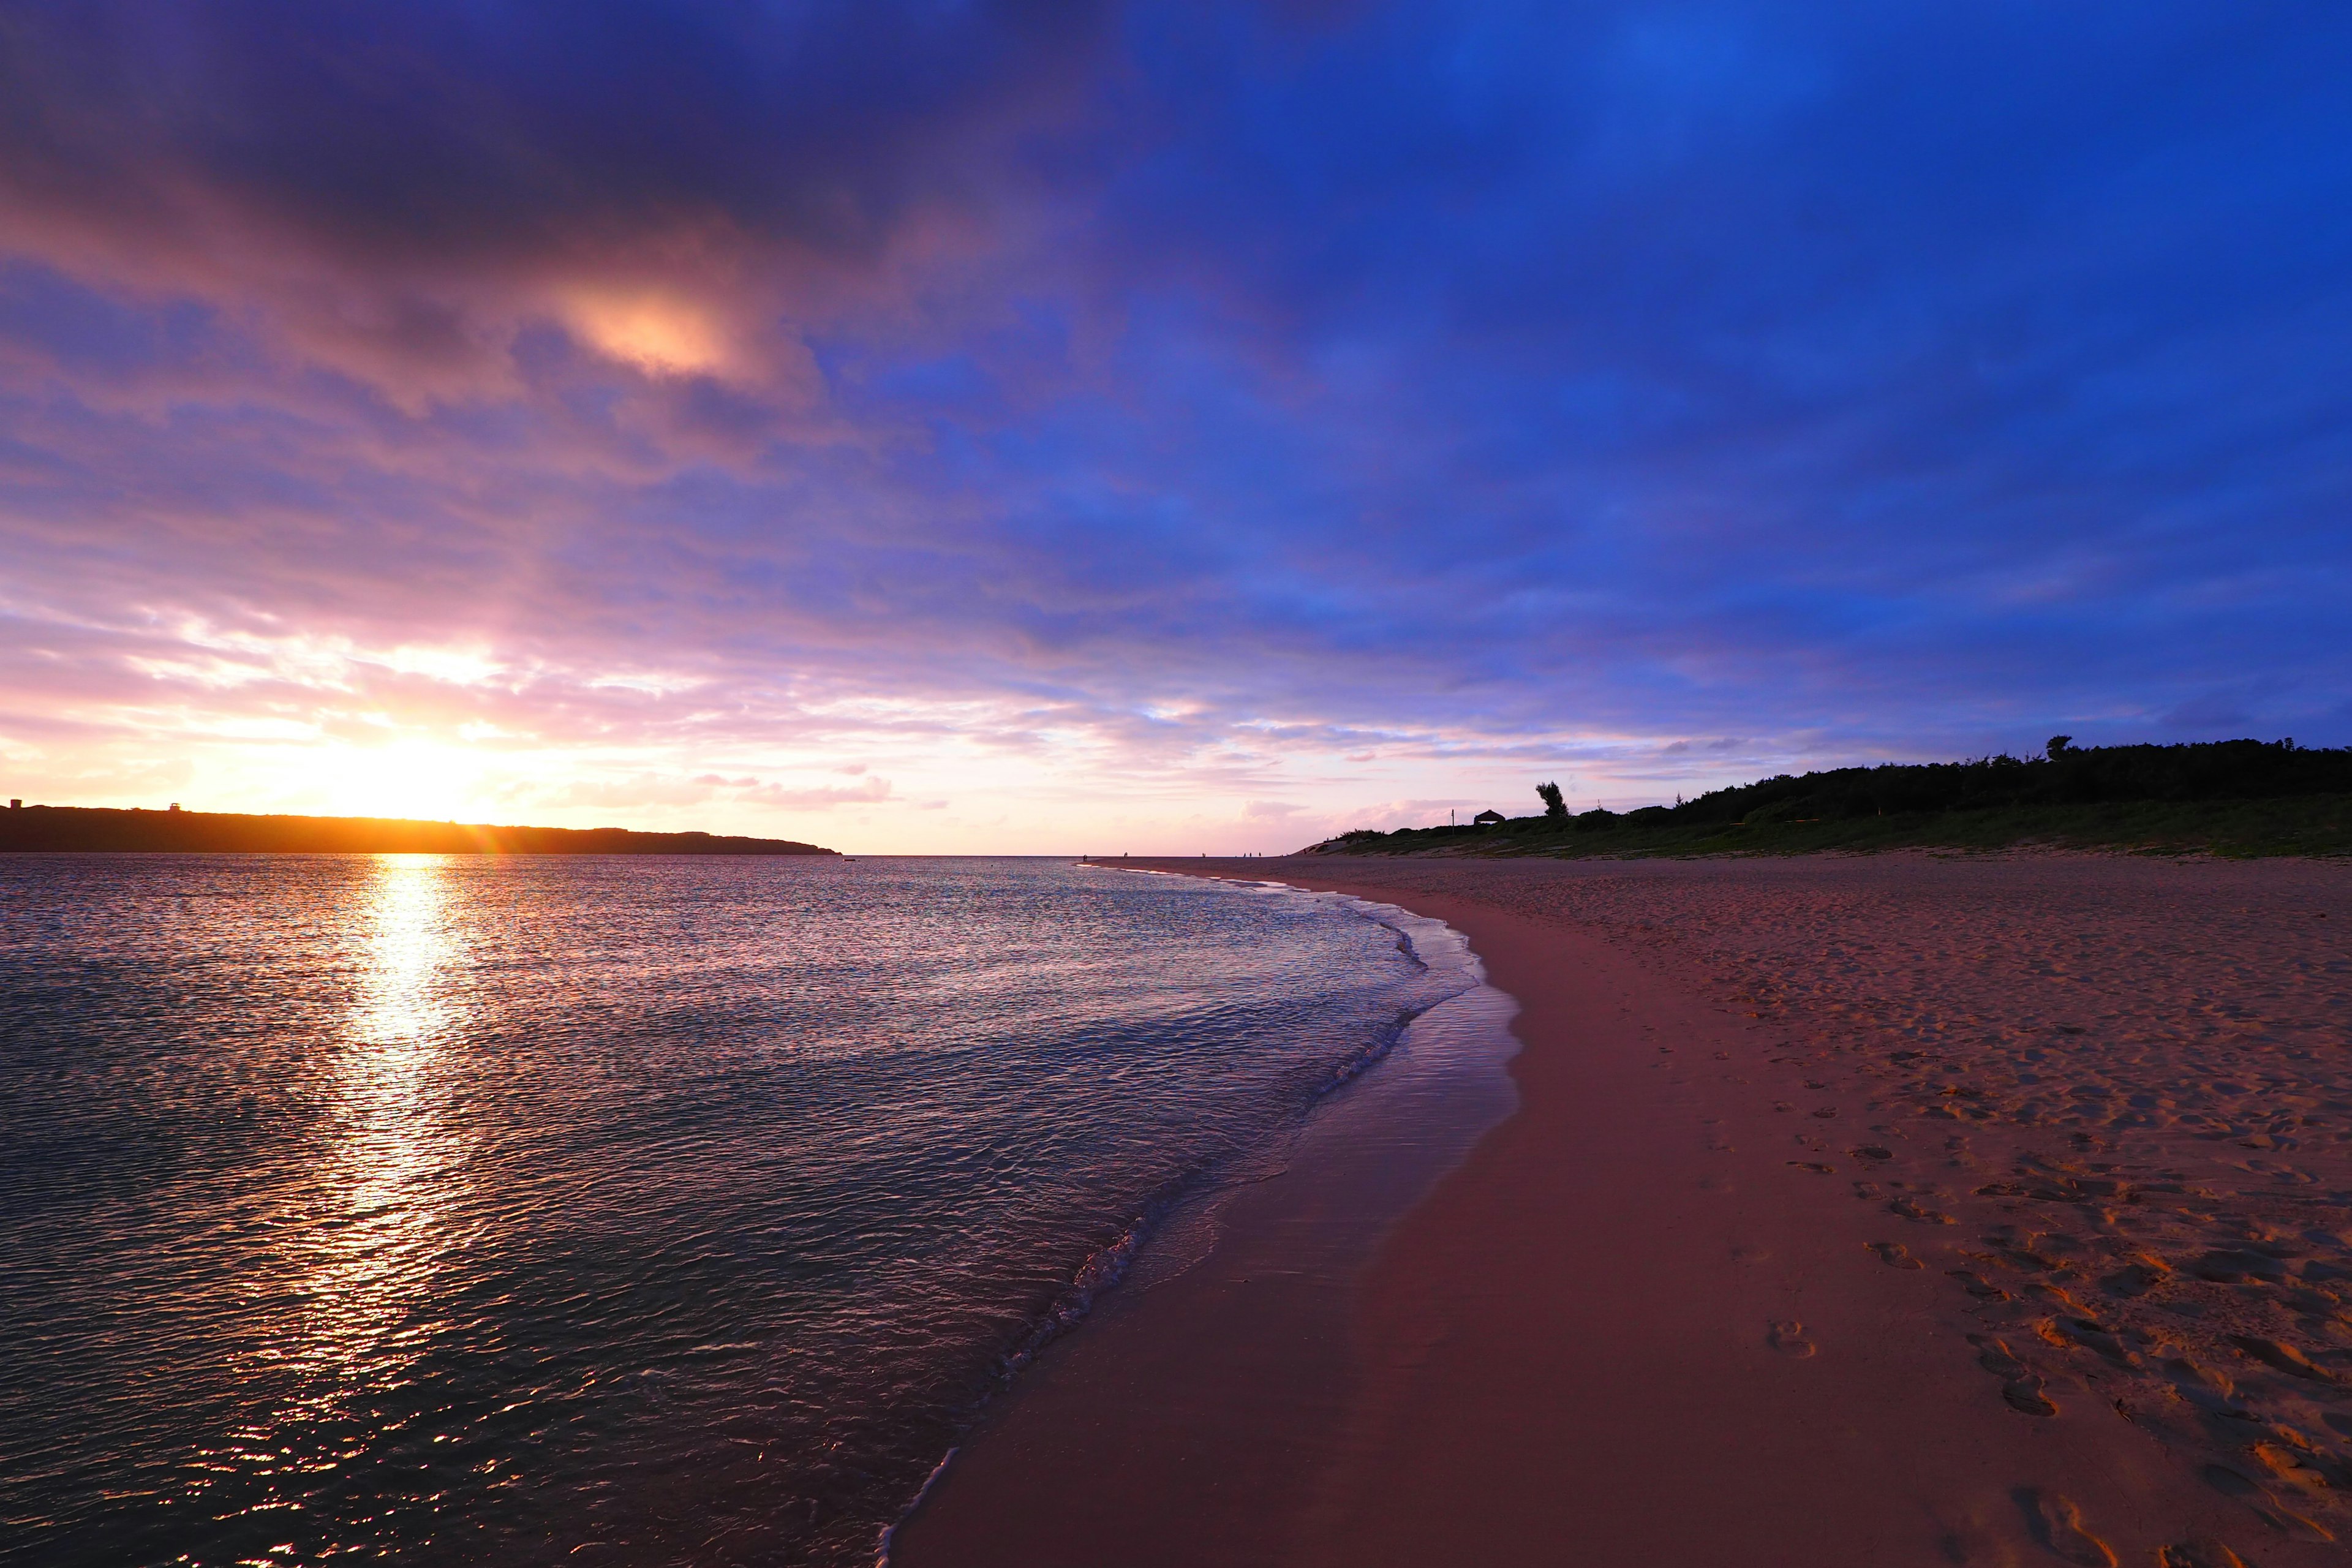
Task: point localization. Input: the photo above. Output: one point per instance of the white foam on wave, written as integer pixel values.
(890, 1530)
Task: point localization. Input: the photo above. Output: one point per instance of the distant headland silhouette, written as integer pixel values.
(85, 829)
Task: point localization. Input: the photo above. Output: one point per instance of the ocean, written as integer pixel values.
(622, 1210)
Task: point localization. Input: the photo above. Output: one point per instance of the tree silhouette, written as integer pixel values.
(1555, 804)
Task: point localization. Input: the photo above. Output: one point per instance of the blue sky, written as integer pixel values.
(1084, 426)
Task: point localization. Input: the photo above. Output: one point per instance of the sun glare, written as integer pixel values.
(420, 779)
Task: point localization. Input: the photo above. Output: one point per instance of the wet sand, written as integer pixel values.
(1892, 1209)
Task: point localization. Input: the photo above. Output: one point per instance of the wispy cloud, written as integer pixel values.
(822, 797)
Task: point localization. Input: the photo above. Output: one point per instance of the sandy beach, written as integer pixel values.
(1895, 1209)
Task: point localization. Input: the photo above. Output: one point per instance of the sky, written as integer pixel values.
(1085, 427)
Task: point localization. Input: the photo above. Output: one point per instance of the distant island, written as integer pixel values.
(70, 829)
(2229, 797)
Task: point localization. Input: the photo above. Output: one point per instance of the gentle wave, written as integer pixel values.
(498, 1210)
(1460, 972)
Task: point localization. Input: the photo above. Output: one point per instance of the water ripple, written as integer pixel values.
(637, 1211)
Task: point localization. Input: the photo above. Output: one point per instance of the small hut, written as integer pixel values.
(1488, 819)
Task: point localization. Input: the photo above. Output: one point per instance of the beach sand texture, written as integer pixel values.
(1894, 1209)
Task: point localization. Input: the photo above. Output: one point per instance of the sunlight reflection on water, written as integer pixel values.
(357, 1316)
(676, 1212)
(388, 1163)
(409, 944)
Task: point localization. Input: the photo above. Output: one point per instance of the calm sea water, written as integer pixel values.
(629, 1211)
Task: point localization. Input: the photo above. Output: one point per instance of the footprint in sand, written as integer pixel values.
(1815, 1166)
(2284, 1358)
(1894, 1254)
(2021, 1386)
(2285, 1521)
(2135, 1279)
(1977, 1284)
(2203, 1551)
(2028, 1394)
(2291, 1464)
(2057, 1523)
(1788, 1336)
(2207, 1388)
(1912, 1210)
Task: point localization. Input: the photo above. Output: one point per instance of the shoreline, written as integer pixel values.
(1235, 1313)
(1636, 1321)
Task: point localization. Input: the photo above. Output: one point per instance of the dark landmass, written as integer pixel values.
(64, 828)
(2227, 797)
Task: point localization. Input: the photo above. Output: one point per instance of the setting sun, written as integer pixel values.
(417, 778)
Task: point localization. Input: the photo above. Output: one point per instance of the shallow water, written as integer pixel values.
(627, 1210)
(1212, 1398)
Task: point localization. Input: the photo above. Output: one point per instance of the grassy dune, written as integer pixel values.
(2234, 797)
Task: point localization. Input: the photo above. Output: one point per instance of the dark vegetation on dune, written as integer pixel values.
(64, 828)
(2231, 797)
